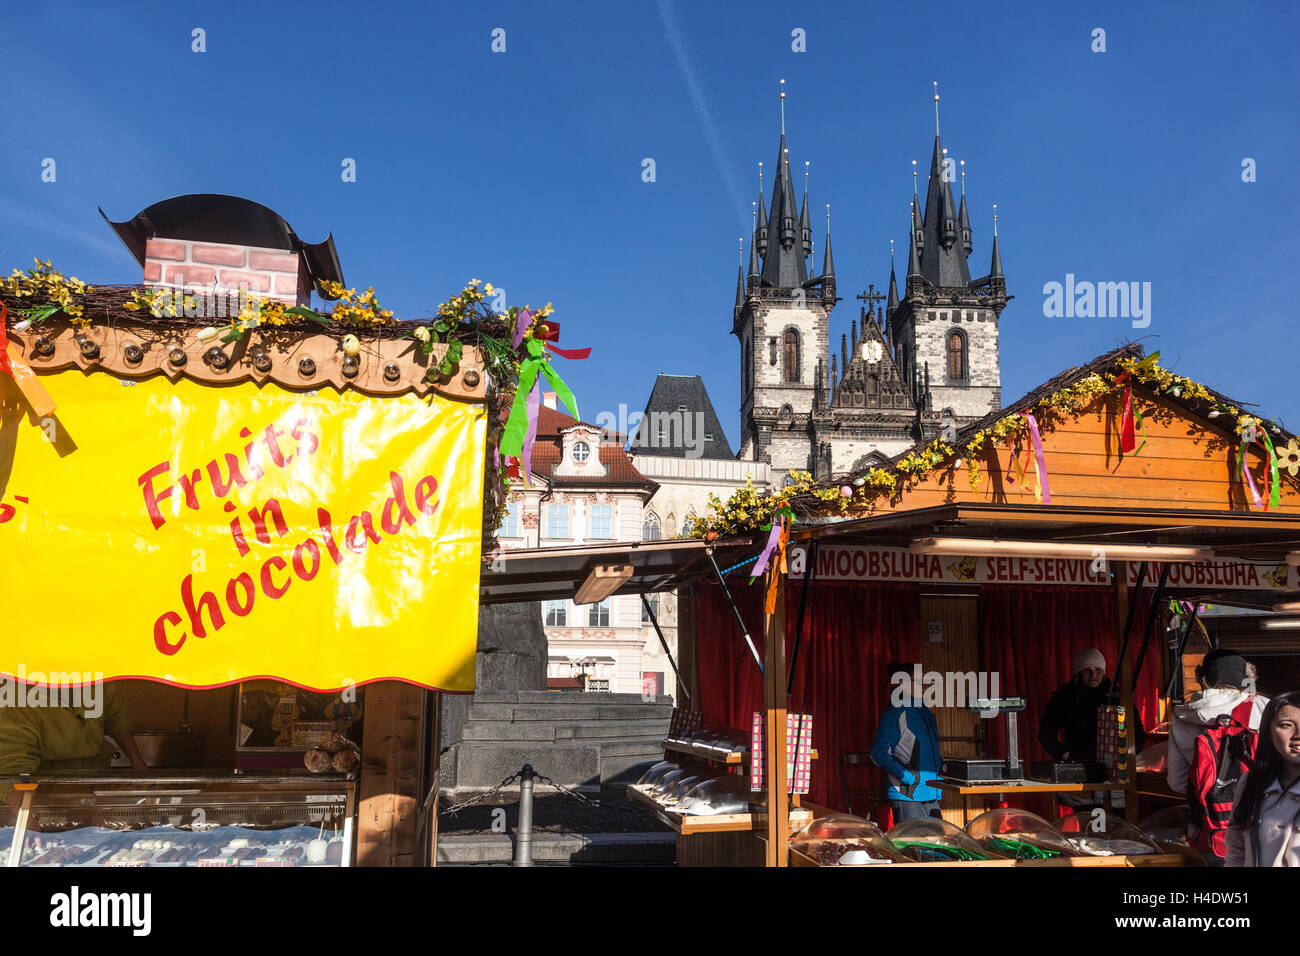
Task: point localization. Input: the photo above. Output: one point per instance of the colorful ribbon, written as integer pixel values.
(1128, 443)
(1243, 468)
(1044, 492)
(520, 433)
(1273, 472)
(777, 538)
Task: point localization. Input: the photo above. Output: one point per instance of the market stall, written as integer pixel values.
(951, 556)
(235, 514)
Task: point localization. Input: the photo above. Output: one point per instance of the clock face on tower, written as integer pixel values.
(871, 352)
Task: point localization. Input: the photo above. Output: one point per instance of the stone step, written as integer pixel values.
(544, 697)
(559, 848)
(566, 711)
(569, 730)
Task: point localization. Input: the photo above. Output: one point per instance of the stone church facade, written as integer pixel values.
(905, 372)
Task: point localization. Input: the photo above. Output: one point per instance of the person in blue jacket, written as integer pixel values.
(906, 746)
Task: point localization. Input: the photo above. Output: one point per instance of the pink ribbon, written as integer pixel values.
(1038, 454)
(1250, 481)
(523, 319)
(772, 538)
(530, 436)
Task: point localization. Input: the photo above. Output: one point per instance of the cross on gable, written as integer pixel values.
(870, 296)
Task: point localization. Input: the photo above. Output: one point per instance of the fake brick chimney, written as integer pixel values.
(272, 273)
(204, 240)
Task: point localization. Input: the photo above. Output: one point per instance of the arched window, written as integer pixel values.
(873, 389)
(956, 356)
(791, 355)
(650, 527)
(687, 525)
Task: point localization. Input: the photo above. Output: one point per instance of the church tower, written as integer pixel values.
(947, 323)
(781, 317)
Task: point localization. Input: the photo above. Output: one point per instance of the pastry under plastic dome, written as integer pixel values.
(845, 840)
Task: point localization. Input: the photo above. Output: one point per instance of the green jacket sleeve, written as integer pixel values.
(20, 749)
(116, 721)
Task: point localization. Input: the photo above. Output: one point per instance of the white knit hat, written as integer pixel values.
(1088, 657)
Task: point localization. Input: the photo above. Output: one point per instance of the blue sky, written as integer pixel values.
(524, 167)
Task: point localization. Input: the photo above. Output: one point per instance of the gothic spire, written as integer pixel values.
(828, 261)
(914, 257)
(783, 264)
(943, 262)
(963, 220)
(918, 229)
(761, 234)
(995, 269)
(892, 303)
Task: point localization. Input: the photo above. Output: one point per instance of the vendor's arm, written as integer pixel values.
(20, 752)
(118, 726)
(882, 748)
(1049, 729)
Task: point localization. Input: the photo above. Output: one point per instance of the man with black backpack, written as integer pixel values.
(1212, 740)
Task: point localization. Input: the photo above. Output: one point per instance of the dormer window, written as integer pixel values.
(581, 451)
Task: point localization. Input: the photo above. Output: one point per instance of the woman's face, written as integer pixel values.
(1091, 676)
(1286, 735)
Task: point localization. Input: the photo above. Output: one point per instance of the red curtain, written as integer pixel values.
(1028, 635)
(853, 630)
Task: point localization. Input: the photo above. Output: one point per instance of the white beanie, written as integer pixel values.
(1088, 657)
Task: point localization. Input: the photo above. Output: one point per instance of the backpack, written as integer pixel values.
(1221, 754)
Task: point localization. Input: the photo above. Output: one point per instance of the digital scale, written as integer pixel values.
(985, 769)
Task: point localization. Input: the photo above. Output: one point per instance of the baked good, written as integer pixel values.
(318, 760)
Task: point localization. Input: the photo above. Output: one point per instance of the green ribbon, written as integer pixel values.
(512, 437)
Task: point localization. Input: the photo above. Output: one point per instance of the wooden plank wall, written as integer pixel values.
(1185, 463)
(957, 651)
(390, 774)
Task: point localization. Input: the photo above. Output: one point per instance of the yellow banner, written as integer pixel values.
(201, 535)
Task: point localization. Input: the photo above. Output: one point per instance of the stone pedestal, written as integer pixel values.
(576, 739)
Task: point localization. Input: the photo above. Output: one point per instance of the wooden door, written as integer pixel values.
(950, 644)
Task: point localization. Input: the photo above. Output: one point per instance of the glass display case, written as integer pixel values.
(167, 819)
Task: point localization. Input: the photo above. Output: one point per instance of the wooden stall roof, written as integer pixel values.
(554, 574)
(1187, 454)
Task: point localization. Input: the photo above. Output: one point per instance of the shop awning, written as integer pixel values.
(1261, 538)
(555, 574)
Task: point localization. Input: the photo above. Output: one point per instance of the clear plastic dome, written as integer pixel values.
(656, 773)
(1105, 835)
(932, 840)
(1168, 825)
(1154, 759)
(718, 795)
(845, 840)
(678, 788)
(1018, 834)
(671, 777)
